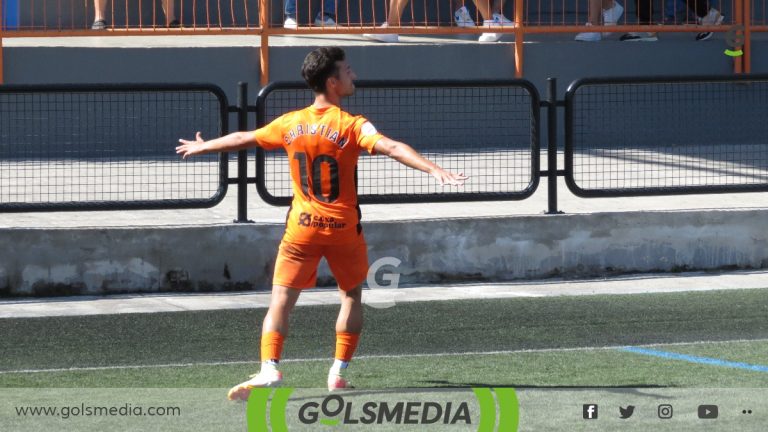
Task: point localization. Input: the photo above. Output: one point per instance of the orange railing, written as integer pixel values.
(256, 17)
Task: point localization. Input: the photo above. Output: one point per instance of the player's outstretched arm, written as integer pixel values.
(409, 157)
(232, 142)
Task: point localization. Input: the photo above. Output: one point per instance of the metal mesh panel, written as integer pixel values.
(680, 135)
(485, 132)
(105, 148)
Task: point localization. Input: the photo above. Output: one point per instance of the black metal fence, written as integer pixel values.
(667, 135)
(489, 128)
(111, 147)
(108, 147)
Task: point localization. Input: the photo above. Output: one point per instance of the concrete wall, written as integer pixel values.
(238, 257)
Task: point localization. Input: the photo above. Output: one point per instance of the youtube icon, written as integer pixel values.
(708, 411)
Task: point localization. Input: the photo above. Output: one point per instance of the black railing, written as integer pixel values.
(111, 147)
(488, 128)
(666, 135)
(108, 147)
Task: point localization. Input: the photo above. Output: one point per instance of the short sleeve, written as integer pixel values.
(366, 133)
(271, 136)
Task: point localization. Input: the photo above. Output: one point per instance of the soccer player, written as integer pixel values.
(323, 143)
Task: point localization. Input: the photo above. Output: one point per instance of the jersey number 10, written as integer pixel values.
(316, 172)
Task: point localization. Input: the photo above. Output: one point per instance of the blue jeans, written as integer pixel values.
(329, 8)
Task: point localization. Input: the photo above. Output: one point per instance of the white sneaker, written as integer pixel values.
(290, 23)
(713, 17)
(336, 380)
(499, 20)
(612, 15)
(489, 37)
(324, 21)
(382, 37)
(463, 18)
(589, 36)
(268, 377)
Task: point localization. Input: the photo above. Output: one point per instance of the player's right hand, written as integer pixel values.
(191, 148)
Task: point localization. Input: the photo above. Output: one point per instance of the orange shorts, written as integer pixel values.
(296, 264)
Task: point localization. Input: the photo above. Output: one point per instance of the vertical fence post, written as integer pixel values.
(738, 12)
(265, 15)
(242, 155)
(519, 35)
(552, 146)
(2, 30)
(747, 57)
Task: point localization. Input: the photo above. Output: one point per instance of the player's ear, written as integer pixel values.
(331, 82)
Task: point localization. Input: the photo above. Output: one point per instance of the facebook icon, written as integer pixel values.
(590, 412)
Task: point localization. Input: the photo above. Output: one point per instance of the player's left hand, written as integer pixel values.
(448, 178)
(191, 148)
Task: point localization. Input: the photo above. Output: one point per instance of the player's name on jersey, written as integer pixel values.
(314, 129)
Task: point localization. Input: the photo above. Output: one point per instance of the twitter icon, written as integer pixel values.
(627, 412)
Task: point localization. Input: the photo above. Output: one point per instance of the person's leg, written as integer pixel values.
(274, 330)
(295, 269)
(484, 7)
(290, 8)
(395, 14)
(349, 324)
(99, 15)
(100, 10)
(169, 7)
(281, 304)
(349, 265)
(396, 8)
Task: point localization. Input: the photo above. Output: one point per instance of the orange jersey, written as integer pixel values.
(323, 145)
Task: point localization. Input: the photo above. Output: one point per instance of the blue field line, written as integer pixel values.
(696, 359)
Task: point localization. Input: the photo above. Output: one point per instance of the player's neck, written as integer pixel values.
(326, 101)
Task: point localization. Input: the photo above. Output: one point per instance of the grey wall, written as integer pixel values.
(238, 257)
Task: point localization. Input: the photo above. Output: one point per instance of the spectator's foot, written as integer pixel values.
(499, 20)
(381, 37)
(589, 36)
(290, 23)
(174, 24)
(489, 37)
(99, 25)
(612, 15)
(713, 17)
(324, 21)
(463, 18)
(639, 37)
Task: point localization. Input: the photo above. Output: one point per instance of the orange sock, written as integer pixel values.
(271, 346)
(346, 344)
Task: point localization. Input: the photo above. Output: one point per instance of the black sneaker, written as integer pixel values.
(99, 25)
(704, 36)
(639, 37)
(174, 24)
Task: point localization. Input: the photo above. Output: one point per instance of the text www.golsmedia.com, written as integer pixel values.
(83, 410)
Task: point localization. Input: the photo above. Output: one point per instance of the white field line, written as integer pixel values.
(380, 356)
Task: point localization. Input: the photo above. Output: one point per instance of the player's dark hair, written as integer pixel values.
(319, 65)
